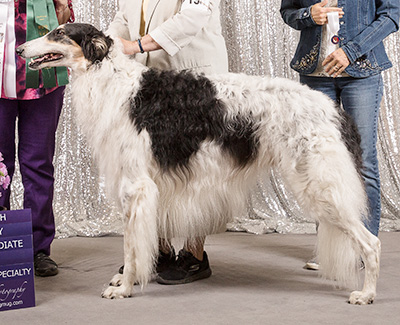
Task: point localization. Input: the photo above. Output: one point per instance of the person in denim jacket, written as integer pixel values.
(351, 74)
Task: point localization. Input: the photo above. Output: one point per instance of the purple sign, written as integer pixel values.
(16, 260)
(17, 286)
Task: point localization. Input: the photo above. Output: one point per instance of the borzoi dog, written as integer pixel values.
(181, 150)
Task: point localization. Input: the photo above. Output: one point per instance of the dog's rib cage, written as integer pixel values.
(180, 110)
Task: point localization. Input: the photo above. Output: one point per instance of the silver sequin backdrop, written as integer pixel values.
(258, 43)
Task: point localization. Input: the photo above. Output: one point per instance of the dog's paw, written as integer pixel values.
(361, 298)
(117, 292)
(116, 281)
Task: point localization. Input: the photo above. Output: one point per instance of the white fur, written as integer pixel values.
(299, 135)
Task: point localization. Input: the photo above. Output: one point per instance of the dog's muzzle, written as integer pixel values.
(20, 50)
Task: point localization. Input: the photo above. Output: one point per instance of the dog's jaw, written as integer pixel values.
(41, 60)
(66, 57)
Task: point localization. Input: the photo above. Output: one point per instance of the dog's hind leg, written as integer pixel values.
(370, 252)
(365, 247)
(327, 184)
(140, 238)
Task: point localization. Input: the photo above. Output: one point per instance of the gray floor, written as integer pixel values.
(256, 280)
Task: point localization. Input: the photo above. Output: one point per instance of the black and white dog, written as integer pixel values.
(181, 150)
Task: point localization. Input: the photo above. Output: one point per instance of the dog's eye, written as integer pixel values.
(60, 32)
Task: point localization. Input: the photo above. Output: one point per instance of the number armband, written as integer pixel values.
(203, 5)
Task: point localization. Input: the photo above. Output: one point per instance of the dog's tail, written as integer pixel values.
(338, 258)
(332, 189)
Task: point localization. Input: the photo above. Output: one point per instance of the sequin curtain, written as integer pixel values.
(259, 43)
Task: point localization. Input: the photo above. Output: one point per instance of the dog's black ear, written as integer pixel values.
(96, 47)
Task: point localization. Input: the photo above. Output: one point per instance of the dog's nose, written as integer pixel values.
(19, 50)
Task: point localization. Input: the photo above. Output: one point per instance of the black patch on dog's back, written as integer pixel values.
(180, 110)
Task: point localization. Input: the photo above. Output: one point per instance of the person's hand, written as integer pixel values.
(336, 62)
(319, 12)
(132, 47)
(62, 11)
(129, 47)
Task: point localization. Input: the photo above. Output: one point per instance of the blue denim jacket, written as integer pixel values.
(363, 28)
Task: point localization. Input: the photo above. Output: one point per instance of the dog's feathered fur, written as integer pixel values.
(181, 150)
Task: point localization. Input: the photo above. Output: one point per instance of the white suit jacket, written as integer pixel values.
(189, 31)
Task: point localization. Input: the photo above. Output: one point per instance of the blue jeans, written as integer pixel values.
(360, 98)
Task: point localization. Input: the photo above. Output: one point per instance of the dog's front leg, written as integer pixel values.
(140, 239)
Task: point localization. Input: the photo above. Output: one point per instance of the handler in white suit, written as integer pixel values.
(174, 35)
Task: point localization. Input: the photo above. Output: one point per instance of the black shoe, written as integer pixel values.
(44, 265)
(186, 269)
(163, 262)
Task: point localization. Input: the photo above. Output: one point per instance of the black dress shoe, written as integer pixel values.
(164, 261)
(44, 265)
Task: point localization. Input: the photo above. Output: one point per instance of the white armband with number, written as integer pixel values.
(179, 30)
(201, 5)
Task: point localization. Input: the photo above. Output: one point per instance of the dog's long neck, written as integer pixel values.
(101, 97)
(115, 70)
(112, 53)
(104, 88)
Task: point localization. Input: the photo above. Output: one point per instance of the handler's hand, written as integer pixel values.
(319, 12)
(130, 47)
(336, 62)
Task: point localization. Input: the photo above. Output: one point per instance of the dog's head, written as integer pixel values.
(71, 45)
